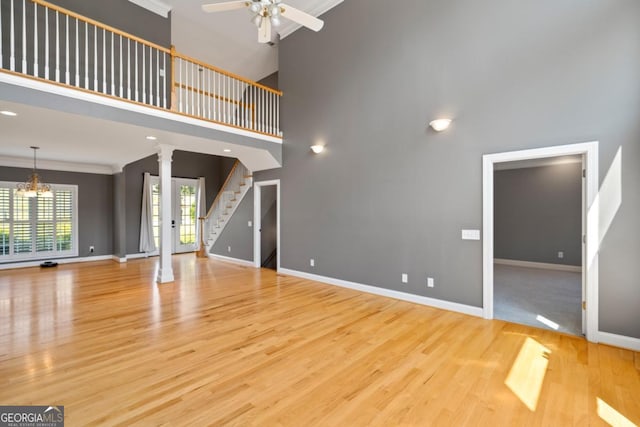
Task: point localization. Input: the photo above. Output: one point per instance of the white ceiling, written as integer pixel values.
(229, 40)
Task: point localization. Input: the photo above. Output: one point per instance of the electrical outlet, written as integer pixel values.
(228, 248)
(312, 262)
(560, 254)
(430, 283)
(405, 278)
(250, 224)
(91, 249)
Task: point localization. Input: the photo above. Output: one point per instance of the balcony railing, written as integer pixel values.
(47, 42)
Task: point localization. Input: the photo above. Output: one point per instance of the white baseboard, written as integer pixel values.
(141, 255)
(233, 260)
(541, 265)
(619, 341)
(59, 261)
(417, 299)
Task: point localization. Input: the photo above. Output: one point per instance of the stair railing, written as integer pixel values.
(47, 42)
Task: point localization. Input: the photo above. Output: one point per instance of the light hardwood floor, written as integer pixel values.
(231, 345)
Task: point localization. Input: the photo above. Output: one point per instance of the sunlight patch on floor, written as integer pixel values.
(611, 416)
(528, 371)
(550, 323)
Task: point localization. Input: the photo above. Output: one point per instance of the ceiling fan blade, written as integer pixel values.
(223, 7)
(301, 17)
(264, 32)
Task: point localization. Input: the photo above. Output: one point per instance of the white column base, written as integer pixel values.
(165, 276)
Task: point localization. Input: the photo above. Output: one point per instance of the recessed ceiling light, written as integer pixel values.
(8, 113)
(151, 138)
(226, 150)
(317, 148)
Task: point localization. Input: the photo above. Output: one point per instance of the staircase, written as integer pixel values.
(231, 194)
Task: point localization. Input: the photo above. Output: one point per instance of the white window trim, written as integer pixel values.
(35, 256)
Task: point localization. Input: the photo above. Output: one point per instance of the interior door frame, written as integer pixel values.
(176, 213)
(257, 220)
(590, 220)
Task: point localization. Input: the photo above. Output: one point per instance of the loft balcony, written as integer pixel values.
(63, 67)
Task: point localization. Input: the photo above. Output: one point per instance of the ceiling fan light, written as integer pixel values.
(275, 10)
(255, 7)
(257, 20)
(275, 21)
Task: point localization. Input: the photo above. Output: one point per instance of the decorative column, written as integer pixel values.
(165, 272)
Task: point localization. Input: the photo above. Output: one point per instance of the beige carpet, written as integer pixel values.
(521, 295)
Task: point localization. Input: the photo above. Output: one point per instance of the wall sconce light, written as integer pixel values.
(317, 149)
(440, 124)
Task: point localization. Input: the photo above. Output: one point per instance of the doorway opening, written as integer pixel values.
(538, 229)
(266, 220)
(539, 268)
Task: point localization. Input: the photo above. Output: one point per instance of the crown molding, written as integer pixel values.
(154, 6)
(56, 165)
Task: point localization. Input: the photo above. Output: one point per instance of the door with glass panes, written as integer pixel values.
(184, 215)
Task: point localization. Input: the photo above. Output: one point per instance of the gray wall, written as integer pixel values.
(389, 196)
(237, 234)
(538, 212)
(185, 165)
(95, 202)
(125, 16)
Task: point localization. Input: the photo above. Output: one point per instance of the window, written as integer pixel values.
(38, 227)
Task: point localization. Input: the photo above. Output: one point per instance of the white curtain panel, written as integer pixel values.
(147, 243)
(201, 203)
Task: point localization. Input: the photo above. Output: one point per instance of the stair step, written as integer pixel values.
(238, 192)
(242, 184)
(248, 176)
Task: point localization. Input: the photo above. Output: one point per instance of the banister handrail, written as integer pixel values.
(100, 25)
(233, 169)
(228, 73)
(126, 67)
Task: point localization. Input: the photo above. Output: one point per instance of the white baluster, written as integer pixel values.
(66, 70)
(209, 93)
(216, 100)
(129, 69)
(278, 115)
(57, 46)
(95, 59)
(46, 43)
(150, 75)
(135, 74)
(120, 79)
(164, 80)
(12, 48)
(86, 55)
(1, 62)
(158, 78)
(77, 54)
(104, 61)
(35, 41)
(113, 80)
(178, 63)
(199, 97)
(24, 37)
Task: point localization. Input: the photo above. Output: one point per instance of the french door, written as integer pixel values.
(184, 213)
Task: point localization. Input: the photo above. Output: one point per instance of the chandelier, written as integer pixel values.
(34, 187)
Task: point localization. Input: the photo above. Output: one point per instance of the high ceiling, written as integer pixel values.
(229, 40)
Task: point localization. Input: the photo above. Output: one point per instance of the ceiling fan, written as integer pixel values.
(267, 14)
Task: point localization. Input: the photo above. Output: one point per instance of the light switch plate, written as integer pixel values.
(405, 278)
(470, 234)
(250, 223)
